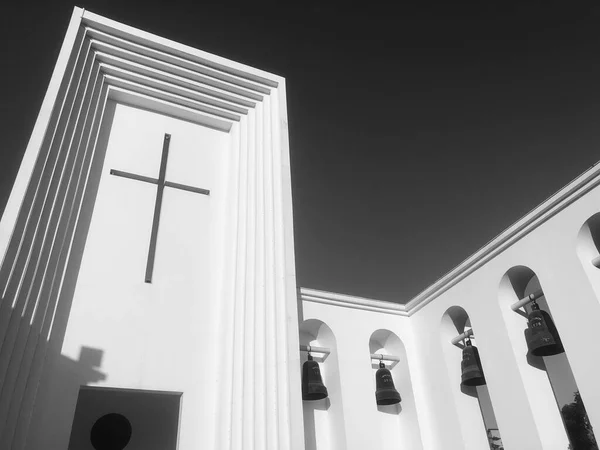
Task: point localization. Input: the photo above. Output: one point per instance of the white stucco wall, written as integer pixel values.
(75, 310)
(558, 248)
(220, 319)
(364, 424)
(151, 335)
(526, 418)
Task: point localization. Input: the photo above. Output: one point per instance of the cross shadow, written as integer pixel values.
(38, 384)
(60, 377)
(40, 388)
(55, 405)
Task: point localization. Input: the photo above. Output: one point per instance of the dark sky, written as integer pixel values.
(417, 134)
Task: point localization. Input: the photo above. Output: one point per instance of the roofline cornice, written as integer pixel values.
(178, 50)
(350, 301)
(581, 185)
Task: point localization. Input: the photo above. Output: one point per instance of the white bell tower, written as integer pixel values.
(147, 253)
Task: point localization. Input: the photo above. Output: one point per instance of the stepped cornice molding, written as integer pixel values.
(102, 60)
(349, 301)
(570, 193)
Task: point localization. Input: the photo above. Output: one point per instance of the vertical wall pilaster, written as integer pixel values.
(264, 306)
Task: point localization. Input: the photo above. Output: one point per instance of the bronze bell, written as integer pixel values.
(385, 393)
(472, 373)
(541, 333)
(312, 383)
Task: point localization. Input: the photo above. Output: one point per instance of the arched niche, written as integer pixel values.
(398, 424)
(588, 250)
(548, 381)
(324, 426)
(588, 238)
(473, 404)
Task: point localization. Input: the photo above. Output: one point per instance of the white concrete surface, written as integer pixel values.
(222, 322)
(74, 242)
(556, 243)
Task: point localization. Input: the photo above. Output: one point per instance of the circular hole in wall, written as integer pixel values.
(111, 432)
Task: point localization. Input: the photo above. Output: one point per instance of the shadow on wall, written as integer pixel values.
(55, 406)
(38, 394)
(37, 281)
